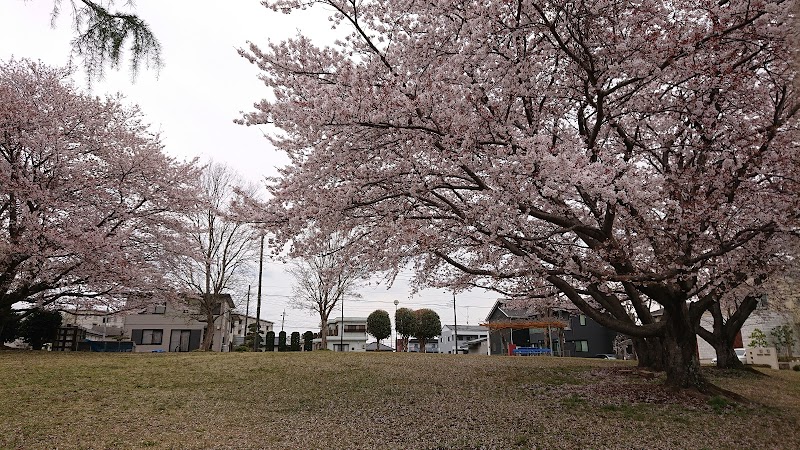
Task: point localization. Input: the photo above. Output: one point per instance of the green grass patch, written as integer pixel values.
(371, 400)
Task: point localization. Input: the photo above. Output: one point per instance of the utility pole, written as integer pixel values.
(105, 324)
(395, 325)
(283, 316)
(246, 311)
(455, 324)
(258, 301)
(341, 329)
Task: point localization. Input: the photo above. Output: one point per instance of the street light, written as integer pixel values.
(396, 302)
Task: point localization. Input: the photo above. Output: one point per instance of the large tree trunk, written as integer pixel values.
(726, 356)
(723, 336)
(323, 331)
(680, 348)
(723, 344)
(208, 309)
(209, 334)
(650, 353)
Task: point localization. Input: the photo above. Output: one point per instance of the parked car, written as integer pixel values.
(740, 353)
(605, 356)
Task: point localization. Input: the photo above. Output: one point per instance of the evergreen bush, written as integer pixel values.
(282, 341)
(308, 341)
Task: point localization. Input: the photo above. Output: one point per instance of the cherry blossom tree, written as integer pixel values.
(629, 155)
(88, 202)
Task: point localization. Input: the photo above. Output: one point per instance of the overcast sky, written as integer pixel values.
(193, 100)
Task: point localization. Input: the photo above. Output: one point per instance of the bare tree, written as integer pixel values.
(323, 280)
(222, 246)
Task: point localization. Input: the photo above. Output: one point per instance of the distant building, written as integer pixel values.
(178, 326)
(431, 346)
(576, 335)
(466, 333)
(99, 325)
(240, 324)
(373, 346)
(347, 334)
(478, 346)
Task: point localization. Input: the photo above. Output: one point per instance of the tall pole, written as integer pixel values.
(246, 311)
(395, 325)
(283, 316)
(105, 324)
(258, 301)
(455, 324)
(341, 330)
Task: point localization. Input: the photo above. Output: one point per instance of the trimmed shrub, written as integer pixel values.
(270, 341)
(295, 341)
(380, 326)
(282, 341)
(308, 341)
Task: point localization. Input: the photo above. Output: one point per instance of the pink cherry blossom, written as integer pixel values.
(620, 154)
(88, 199)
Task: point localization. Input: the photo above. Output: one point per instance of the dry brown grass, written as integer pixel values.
(333, 400)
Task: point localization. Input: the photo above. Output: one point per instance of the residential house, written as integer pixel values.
(99, 325)
(565, 332)
(431, 346)
(373, 346)
(348, 334)
(448, 341)
(478, 346)
(178, 326)
(239, 327)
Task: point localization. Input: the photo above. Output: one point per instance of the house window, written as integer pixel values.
(160, 309)
(148, 337)
(355, 328)
(581, 346)
(582, 318)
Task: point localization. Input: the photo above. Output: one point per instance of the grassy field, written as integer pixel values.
(352, 401)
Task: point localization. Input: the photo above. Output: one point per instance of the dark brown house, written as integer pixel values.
(566, 333)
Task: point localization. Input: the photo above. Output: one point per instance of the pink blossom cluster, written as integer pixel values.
(618, 154)
(88, 200)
